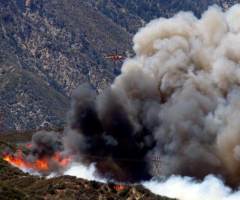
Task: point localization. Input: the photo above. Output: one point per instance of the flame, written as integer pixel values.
(28, 145)
(19, 160)
(120, 188)
(62, 161)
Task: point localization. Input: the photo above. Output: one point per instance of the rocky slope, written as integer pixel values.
(49, 47)
(132, 14)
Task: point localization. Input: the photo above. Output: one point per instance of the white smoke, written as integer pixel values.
(185, 188)
(81, 171)
(181, 188)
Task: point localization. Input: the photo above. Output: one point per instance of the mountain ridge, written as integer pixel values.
(62, 43)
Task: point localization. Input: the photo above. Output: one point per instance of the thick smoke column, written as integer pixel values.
(177, 100)
(103, 132)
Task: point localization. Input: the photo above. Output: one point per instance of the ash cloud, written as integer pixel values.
(176, 101)
(105, 134)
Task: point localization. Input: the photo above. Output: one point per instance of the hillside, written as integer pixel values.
(15, 184)
(48, 48)
(51, 47)
(134, 14)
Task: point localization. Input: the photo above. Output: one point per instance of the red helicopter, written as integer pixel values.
(115, 57)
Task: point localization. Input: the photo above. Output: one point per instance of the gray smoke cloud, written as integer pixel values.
(174, 109)
(177, 100)
(45, 144)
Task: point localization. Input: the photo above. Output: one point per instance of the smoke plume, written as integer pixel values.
(45, 144)
(186, 188)
(175, 107)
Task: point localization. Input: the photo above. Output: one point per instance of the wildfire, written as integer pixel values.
(19, 160)
(120, 188)
(28, 145)
(62, 161)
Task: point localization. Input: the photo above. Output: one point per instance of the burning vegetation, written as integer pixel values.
(178, 98)
(41, 165)
(15, 184)
(38, 156)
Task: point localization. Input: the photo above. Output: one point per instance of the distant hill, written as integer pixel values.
(132, 14)
(49, 47)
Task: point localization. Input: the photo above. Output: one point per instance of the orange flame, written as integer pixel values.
(120, 188)
(40, 165)
(62, 161)
(28, 145)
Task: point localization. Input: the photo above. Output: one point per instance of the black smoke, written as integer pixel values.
(110, 137)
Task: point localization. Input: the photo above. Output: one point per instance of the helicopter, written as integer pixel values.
(115, 57)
